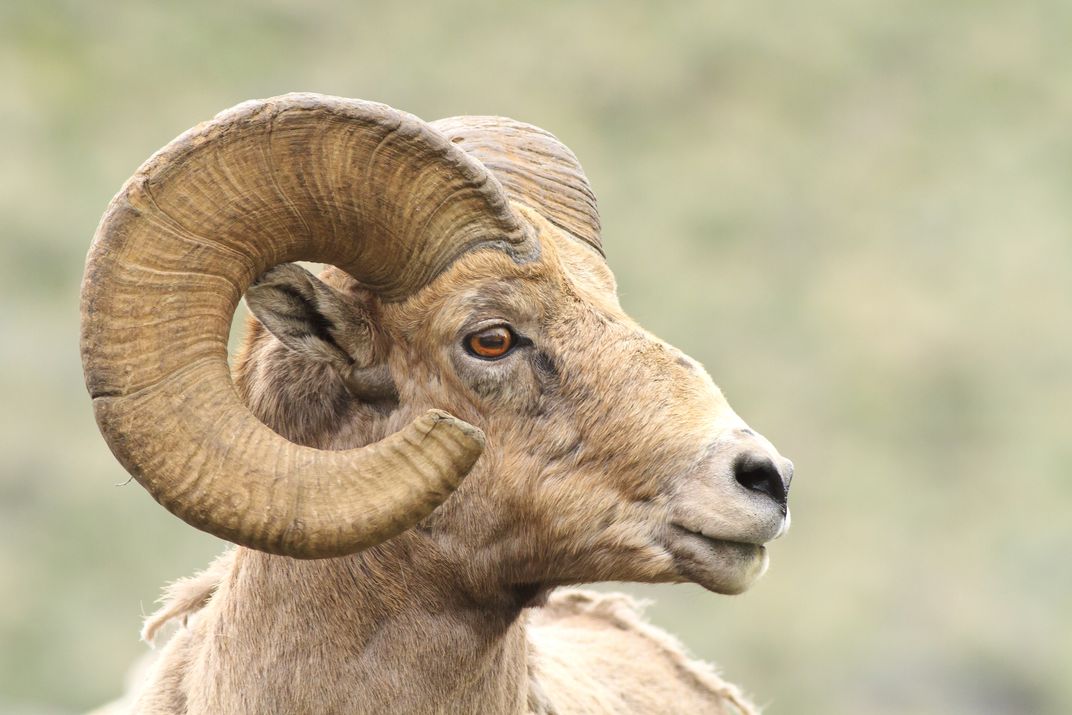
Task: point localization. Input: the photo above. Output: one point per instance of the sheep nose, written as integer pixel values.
(756, 472)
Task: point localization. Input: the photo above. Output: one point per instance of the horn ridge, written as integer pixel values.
(534, 168)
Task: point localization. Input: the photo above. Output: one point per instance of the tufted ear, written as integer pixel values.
(321, 324)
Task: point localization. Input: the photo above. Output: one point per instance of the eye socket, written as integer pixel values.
(491, 343)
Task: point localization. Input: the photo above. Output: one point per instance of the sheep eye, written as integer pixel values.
(491, 343)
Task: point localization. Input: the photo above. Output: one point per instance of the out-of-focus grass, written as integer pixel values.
(856, 215)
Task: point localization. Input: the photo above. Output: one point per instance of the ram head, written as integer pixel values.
(462, 370)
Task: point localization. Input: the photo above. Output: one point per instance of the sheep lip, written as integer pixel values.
(714, 540)
(718, 565)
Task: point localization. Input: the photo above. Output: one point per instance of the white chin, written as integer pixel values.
(728, 567)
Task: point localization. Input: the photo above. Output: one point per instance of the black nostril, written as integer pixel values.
(758, 474)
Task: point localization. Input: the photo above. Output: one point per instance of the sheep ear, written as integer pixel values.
(311, 318)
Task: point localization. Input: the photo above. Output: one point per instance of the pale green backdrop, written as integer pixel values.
(856, 214)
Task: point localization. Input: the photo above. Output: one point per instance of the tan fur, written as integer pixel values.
(576, 644)
(601, 442)
(595, 652)
(185, 597)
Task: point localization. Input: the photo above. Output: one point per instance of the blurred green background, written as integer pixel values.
(857, 215)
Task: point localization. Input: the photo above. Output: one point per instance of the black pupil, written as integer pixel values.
(493, 341)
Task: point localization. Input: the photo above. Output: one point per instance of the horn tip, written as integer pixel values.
(467, 432)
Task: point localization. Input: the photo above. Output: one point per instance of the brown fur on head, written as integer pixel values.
(610, 455)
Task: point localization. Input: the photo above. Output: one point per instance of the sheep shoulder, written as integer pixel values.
(594, 653)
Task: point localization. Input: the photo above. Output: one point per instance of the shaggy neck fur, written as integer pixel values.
(385, 620)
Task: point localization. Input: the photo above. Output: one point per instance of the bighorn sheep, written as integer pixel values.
(468, 277)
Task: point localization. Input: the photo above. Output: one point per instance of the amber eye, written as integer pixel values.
(491, 343)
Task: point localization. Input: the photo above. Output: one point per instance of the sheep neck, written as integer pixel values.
(400, 627)
(396, 624)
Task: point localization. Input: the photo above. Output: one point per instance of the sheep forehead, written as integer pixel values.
(565, 281)
(569, 296)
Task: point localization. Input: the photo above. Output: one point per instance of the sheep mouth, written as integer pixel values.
(712, 539)
(719, 565)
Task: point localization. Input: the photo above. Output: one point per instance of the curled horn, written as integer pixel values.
(534, 168)
(372, 190)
